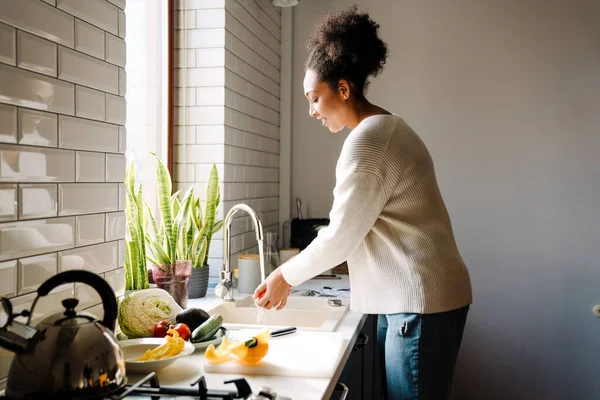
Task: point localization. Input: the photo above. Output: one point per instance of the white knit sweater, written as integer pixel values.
(389, 222)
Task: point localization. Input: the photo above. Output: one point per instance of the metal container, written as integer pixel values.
(68, 355)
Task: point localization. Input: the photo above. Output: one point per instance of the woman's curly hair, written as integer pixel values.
(346, 45)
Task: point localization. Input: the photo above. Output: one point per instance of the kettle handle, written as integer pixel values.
(109, 301)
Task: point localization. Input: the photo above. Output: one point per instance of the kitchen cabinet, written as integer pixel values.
(362, 373)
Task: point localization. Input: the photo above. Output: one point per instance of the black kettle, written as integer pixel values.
(68, 355)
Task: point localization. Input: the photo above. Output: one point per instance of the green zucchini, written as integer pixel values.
(207, 329)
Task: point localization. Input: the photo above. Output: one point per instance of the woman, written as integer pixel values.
(388, 219)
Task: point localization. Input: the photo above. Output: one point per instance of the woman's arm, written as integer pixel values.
(358, 201)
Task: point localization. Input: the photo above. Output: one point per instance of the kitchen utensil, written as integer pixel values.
(248, 273)
(135, 348)
(303, 231)
(68, 354)
(216, 340)
(303, 354)
(271, 253)
(284, 331)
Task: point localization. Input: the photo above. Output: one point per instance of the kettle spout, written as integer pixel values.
(12, 342)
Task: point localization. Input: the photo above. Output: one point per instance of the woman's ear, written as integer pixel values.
(344, 89)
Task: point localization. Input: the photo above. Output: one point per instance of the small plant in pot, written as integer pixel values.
(182, 238)
(206, 225)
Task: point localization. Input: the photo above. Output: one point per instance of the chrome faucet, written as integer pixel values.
(224, 289)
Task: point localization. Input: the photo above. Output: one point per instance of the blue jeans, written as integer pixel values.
(418, 353)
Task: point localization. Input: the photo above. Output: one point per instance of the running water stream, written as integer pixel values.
(261, 316)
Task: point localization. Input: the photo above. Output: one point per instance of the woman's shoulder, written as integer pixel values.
(366, 143)
(374, 131)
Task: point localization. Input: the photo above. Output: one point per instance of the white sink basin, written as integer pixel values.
(305, 313)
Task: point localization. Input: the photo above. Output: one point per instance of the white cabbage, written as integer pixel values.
(141, 310)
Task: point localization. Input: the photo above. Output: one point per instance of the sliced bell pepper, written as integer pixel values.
(250, 351)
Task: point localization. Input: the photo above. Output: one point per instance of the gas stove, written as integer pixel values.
(149, 388)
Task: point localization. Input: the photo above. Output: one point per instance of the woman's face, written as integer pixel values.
(327, 105)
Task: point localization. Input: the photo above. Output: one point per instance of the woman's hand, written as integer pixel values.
(273, 292)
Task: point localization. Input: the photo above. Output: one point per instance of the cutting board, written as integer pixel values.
(301, 354)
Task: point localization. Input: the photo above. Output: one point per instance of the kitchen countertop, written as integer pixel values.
(187, 369)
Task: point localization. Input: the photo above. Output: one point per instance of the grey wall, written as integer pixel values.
(506, 94)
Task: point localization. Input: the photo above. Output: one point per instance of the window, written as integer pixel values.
(147, 90)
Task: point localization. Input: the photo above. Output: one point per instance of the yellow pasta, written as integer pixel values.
(173, 345)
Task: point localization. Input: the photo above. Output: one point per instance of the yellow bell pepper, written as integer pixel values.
(250, 351)
(220, 354)
(172, 346)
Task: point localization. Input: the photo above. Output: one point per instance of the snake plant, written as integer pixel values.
(184, 232)
(136, 275)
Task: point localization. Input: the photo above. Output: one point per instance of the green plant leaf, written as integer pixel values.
(131, 248)
(217, 226)
(164, 189)
(153, 260)
(155, 232)
(212, 202)
(198, 214)
(159, 253)
(202, 253)
(180, 222)
(198, 247)
(142, 272)
(136, 255)
(128, 267)
(175, 204)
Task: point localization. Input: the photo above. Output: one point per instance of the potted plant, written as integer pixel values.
(182, 239)
(206, 225)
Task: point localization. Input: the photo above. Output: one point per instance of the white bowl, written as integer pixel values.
(216, 339)
(135, 348)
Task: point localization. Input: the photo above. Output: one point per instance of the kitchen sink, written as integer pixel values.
(305, 313)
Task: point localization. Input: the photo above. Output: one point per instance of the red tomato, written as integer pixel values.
(160, 329)
(183, 330)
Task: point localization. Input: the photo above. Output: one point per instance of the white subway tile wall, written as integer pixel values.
(8, 52)
(38, 200)
(32, 90)
(34, 270)
(115, 50)
(8, 278)
(37, 128)
(35, 164)
(84, 134)
(115, 226)
(88, 71)
(115, 167)
(8, 124)
(87, 198)
(98, 258)
(227, 108)
(8, 202)
(90, 166)
(115, 109)
(36, 54)
(90, 103)
(89, 229)
(122, 196)
(89, 39)
(62, 147)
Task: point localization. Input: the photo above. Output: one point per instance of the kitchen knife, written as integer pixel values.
(284, 331)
